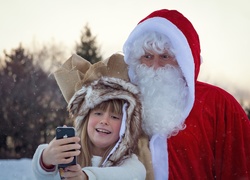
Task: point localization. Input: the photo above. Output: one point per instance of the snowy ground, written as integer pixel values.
(16, 169)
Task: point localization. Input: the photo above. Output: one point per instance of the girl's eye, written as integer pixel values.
(115, 117)
(98, 113)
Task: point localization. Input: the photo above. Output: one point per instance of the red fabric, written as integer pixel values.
(216, 141)
(186, 27)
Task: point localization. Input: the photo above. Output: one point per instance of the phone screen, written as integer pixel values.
(65, 132)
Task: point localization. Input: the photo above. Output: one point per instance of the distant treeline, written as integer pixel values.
(31, 103)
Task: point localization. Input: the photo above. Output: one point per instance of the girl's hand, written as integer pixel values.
(73, 172)
(56, 152)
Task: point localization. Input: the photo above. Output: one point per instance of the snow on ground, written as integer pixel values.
(11, 169)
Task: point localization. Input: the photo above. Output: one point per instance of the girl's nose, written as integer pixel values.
(104, 120)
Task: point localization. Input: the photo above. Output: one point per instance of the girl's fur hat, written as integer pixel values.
(84, 86)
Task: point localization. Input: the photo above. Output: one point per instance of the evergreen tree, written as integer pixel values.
(31, 106)
(87, 48)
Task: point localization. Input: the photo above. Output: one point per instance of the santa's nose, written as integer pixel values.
(156, 63)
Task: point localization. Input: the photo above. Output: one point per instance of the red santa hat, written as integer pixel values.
(186, 27)
(184, 40)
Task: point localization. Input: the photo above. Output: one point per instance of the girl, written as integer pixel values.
(107, 117)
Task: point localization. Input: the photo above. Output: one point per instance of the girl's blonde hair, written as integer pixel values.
(84, 159)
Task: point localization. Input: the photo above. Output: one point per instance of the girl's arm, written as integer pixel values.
(38, 171)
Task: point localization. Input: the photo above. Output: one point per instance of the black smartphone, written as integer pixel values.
(65, 132)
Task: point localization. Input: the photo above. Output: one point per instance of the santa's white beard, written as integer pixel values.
(164, 97)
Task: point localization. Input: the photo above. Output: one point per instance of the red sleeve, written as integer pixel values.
(231, 138)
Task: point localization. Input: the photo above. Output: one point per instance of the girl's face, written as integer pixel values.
(103, 129)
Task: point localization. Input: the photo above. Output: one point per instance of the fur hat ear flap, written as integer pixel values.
(76, 102)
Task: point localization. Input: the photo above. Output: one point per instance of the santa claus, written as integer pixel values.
(193, 130)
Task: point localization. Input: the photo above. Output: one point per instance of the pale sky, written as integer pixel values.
(223, 27)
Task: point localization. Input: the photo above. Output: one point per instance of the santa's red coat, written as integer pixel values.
(216, 141)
